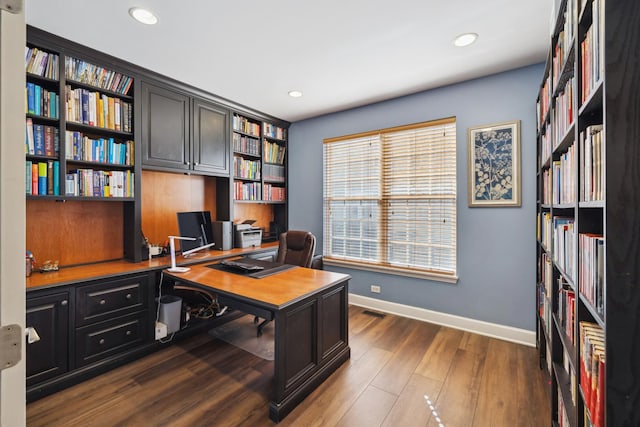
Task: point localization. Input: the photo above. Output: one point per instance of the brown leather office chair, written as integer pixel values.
(295, 247)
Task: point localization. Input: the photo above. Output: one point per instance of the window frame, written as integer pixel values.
(383, 264)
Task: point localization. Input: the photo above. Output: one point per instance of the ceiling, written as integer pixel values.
(340, 53)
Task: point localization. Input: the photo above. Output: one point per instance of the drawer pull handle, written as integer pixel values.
(128, 333)
(64, 302)
(102, 302)
(101, 341)
(128, 296)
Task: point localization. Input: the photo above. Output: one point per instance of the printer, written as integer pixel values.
(246, 235)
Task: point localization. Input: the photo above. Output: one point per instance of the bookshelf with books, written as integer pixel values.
(259, 159)
(588, 229)
(79, 148)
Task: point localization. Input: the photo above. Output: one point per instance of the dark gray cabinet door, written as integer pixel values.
(210, 138)
(165, 127)
(48, 357)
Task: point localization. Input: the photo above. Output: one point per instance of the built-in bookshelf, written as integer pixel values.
(259, 170)
(79, 148)
(588, 237)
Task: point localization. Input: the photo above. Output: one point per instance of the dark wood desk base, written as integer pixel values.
(310, 310)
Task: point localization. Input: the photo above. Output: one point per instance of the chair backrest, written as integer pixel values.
(296, 248)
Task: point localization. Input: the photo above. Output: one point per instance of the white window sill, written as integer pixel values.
(359, 265)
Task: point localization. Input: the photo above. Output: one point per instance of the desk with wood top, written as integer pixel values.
(310, 309)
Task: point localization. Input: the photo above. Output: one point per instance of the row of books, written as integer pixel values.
(245, 144)
(563, 247)
(547, 186)
(273, 131)
(544, 310)
(592, 52)
(566, 308)
(41, 140)
(545, 144)
(104, 150)
(592, 164)
(592, 370)
(246, 169)
(94, 75)
(591, 264)
(546, 229)
(273, 153)
(100, 110)
(41, 102)
(97, 183)
(542, 107)
(242, 124)
(564, 177)
(274, 194)
(42, 63)
(274, 173)
(563, 113)
(247, 191)
(560, 51)
(42, 178)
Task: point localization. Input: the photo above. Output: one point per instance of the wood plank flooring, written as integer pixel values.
(402, 372)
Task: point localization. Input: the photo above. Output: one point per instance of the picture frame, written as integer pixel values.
(494, 165)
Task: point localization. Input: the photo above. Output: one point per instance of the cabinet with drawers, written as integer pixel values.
(87, 328)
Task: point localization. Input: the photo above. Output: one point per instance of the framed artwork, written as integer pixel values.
(494, 165)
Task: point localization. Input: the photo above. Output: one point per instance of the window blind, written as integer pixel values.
(390, 198)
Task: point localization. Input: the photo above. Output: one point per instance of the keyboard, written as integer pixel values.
(239, 265)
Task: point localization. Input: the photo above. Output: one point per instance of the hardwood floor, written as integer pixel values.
(402, 372)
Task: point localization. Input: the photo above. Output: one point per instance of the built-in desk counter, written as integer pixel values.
(110, 269)
(95, 317)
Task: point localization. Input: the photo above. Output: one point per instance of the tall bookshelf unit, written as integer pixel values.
(588, 229)
(80, 147)
(260, 173)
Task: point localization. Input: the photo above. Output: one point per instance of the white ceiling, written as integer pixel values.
(340, 53)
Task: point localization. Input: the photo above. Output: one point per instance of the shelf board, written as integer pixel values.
(597, 317)
(96, 129)
(593, 102)
(566, 343)
(31, 76)
(592, 204)
(43, 119)
(78, 84)
(241, 153)
(237, 178)
(99, 164)
(564, 206)
(564, 384)
(250, 135)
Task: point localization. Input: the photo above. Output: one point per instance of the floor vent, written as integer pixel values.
(374, 314)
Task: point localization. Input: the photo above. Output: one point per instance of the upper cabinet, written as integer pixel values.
(183, 133)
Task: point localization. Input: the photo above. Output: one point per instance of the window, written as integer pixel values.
(390, 200)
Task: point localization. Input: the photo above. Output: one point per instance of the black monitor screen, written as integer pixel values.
(195, 224)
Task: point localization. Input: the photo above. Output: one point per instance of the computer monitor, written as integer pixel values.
(197, 225)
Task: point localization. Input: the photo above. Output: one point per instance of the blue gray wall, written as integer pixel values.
(496, 246)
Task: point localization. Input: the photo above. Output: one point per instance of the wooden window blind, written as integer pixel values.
(390, 198)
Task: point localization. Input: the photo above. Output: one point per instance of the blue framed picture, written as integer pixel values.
(494, 165)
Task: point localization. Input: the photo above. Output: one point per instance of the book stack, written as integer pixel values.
(563, 237)
(273, 131)
(97, 183)
(41, 63)
(93, 75)
(81, 147)
(246, 169)
(274, 194)
(245, 144)
(242, 124)
(95, 109)
(591, 265)
(41, 102)
(41, 140)
(247, 191)
(564, 178)
(563, 113)
(592, 167)
(273, 153)
(274, 173)
(592, 52)
(592, 370)
(42, 178)
(566, 307)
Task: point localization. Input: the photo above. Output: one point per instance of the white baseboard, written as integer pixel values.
(493, 330)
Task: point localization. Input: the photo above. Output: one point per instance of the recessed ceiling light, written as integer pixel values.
(465, 39)
(143, 15)
(295, 93)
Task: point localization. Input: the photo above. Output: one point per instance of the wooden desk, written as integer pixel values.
(311, 323)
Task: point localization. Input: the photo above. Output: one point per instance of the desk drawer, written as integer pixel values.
(95, 342)
(110, 299)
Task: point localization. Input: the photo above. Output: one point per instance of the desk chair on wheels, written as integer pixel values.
(295, 247)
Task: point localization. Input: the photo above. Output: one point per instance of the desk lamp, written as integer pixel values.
(172, 247)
